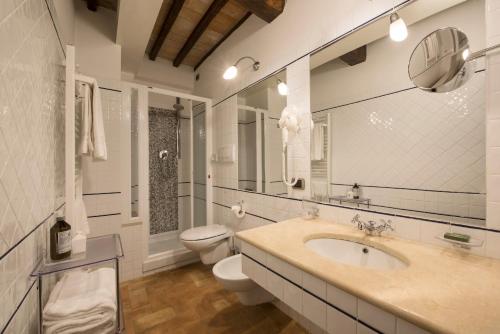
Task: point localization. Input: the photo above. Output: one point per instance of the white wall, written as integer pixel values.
(96, 52)
(65, 12)
(386, 67)
(410, 139)
(301, 28)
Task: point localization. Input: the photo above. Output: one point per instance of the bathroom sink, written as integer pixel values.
(354, 254)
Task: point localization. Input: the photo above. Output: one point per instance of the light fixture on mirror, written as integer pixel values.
(282, 88)
(232, 71)
(397, 28)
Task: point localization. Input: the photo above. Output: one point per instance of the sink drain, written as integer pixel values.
(365, 250)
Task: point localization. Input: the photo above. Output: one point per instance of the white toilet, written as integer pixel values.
(211, 242)
(229, 273)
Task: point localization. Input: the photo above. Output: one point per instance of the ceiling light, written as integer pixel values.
(282, 88)
(397, 29)
(232, 71)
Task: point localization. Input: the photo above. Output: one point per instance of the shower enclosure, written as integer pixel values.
(169, 171)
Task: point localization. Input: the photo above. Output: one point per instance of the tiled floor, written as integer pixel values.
(190, 300)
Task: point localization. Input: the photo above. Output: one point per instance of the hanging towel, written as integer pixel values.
(84, 101)
(318, 141)
(98, 136)
(93, 139)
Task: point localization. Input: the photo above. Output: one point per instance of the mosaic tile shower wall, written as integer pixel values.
(163, 209)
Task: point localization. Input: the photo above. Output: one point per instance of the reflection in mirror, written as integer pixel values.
(380, 143)
(259, 138)
(439, 62)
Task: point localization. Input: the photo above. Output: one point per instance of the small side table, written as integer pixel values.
(106, 248)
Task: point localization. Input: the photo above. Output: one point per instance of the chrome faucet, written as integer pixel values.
(371, 227)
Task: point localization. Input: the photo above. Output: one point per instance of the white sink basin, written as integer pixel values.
(355, 254)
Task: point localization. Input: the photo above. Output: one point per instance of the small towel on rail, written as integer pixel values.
(93, 138)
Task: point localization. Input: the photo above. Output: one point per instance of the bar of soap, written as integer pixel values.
(457, 237)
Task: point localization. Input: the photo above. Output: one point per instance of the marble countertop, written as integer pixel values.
(442, 290)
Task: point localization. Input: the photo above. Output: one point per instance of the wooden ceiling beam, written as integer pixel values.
(210, 14)
(354, 57)
(267, 10)
(212, 49)
(173, 12)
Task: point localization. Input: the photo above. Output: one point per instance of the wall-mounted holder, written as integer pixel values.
(300, 184)
(226, 153)
(460, 244)
(345, 199)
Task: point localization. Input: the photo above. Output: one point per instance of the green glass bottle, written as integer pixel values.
(60, 240)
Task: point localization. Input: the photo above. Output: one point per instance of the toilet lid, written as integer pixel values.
(203, 232)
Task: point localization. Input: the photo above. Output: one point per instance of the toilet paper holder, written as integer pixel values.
(238, 209)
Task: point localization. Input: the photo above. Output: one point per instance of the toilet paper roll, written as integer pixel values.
(238, 211)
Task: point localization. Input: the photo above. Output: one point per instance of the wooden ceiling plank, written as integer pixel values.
(354, 57)
(236, 26)
(267, 10)
(175, 8)
(210, 14)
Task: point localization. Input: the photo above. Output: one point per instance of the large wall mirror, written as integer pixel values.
(259, 138)
(408, 151)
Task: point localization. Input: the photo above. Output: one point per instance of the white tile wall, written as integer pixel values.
(493, 119)
(31, 152)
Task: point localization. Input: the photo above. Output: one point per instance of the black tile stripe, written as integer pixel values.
(413, 189)
(29, 233)
(314, 295)
(110, 89)
(248, 213)
(106, 193)
(371, 211)
(105, 215)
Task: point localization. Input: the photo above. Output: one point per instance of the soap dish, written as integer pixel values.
(472, 242)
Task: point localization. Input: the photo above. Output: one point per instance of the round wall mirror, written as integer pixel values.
(440, 63)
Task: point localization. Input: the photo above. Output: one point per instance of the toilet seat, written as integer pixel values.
(204, 239)
(203, 232)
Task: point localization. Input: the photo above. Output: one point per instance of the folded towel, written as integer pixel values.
(82, 297)
(101, 324)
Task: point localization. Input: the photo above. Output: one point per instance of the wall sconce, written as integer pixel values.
(232, 71)
(397, 28)
(282, 88)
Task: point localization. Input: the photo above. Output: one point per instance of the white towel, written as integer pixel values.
(93, 139)
(98, 136)
(82, 297)
(318, 142)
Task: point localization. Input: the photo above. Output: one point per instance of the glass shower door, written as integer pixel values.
(199, 165)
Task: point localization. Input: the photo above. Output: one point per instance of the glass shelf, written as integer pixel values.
(99, 249)
(345, 199)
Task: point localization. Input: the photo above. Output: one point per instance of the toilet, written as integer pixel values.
(211, 242)
(228, 272)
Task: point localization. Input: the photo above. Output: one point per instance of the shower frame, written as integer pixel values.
(143, 168)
